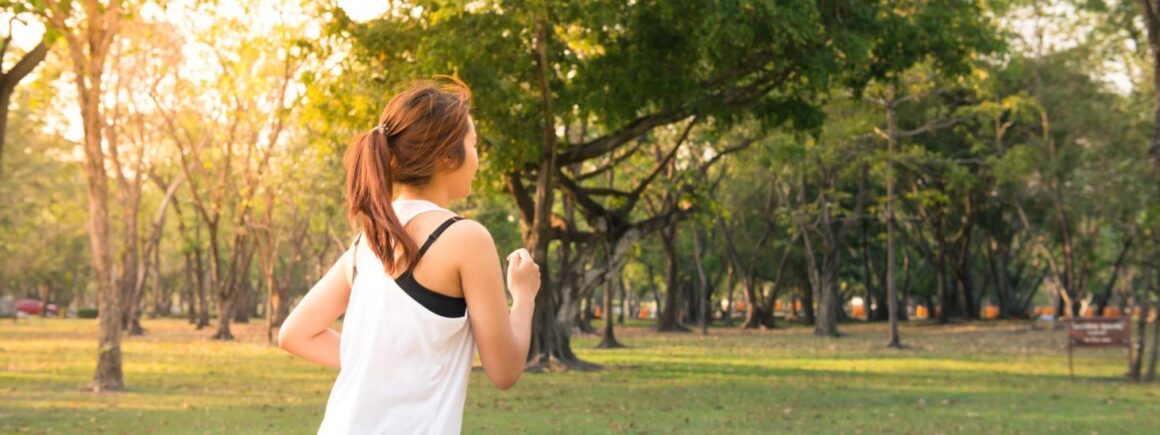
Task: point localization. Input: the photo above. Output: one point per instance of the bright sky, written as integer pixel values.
(1061, 31)
(363, 10)
(25, 36)
(261, 17)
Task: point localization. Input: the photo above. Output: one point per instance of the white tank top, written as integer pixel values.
(403, 369)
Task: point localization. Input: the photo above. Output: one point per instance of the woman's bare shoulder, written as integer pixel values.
(470, 233)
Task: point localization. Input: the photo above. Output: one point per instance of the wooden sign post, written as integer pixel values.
(1097, 332)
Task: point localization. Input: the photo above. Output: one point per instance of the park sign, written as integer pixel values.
(1099, 332)
(1096, 332)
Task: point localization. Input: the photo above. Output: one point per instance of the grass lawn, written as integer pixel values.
(992, 377)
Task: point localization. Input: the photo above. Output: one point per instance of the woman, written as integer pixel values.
(420, 287)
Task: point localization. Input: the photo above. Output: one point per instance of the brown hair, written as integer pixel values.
(420, 132)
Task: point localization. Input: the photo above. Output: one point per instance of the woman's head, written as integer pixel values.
(424, 139)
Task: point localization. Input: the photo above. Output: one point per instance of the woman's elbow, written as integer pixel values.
(505, 381)
(285, 339)
(504, 384)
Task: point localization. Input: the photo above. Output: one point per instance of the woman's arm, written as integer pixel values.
(306, 331)
(502, 337)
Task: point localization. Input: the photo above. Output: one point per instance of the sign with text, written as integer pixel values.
(1099, 333)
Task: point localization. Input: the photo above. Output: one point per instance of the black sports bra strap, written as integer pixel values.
(430, 239)
(435, 235)
(354, 258)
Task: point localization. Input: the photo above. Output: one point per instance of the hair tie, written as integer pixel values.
(382, 129)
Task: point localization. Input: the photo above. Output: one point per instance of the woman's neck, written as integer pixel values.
(439, 198)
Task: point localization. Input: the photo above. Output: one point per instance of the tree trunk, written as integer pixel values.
(625, 300)
(822, 291)
(1136, 358)
(891, 291)
(1102, 301)
(225, 316)
(130, 242)
(551, 347)
(690, 314)
(1154, 285)
(755, 314)
(201, 287)
(1155, 348)
(962, 276)
(244, 298)
(873, 290)
(730, 284)
(275, 296)
(586, 314)
(809, 315)
(826, 322)
(44, 291)
(225, 289)
(162, 293)
(243, 302)
(997, 262)
(823, 278)
(189, 291)
(280, 298)
(667, 321)
(946, 300)
(108, 375)
(702, 281)
(608, 340)
(903, 312)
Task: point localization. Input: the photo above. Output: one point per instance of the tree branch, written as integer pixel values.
(23, 67)
(615, 161)
(614, 140)
(581, 196)
(634, 197)
(930, 126)
(523, 198)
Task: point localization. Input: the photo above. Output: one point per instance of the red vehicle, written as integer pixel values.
(32, 307)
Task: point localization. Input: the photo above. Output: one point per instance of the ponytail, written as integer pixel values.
(370, 191)
(420, 133)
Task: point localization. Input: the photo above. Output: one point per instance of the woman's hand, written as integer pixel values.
(523, 276)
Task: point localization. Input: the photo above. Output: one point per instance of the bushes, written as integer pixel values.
(87, 313)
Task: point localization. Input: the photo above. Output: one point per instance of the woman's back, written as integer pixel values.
(404, 368)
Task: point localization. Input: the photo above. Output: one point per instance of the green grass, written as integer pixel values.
(986, 377)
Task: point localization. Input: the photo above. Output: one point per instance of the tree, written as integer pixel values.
(88, 29)
(888, 99)
(627, 69)
(827, 219)
(143, 54)
(227, 143)
(755, 224)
